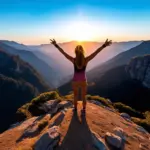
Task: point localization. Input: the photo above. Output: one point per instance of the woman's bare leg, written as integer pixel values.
(76, 92)
(83, 95)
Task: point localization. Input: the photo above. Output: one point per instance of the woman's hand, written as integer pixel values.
(53, 42)
(107, 43)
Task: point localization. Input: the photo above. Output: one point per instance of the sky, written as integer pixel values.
(36, 21)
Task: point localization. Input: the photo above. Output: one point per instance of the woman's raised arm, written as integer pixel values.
(61, 50)
(107, 43)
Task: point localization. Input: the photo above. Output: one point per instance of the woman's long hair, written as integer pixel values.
(80, 57)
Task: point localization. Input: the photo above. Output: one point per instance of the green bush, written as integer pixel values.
(127, 109)
(104, 101)
(145, 123)
(45, 97)
(32, 108)
(25, 106)
(147, 116)
(21, 115)
(42, 124)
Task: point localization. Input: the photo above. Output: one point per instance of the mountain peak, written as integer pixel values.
(100, 127)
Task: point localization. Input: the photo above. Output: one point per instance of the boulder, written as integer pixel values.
(125, 116)
(98, 142)
(48, 140)
(113, 140)
(15, 125)
(119, 132)
(137, 137)
(141, 129)
(49, 106)
(25, 124)
(110, 109)
(58, 119)
(96, 102)
(109, 101)
(64, 104)
(143, 146)
(31, 131)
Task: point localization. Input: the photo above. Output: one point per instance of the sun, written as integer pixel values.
(80, 31)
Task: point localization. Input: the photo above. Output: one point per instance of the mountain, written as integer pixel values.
(121, 59)
(129, 83)
(47, 72)
(16, 45)
(12, 66)
(60, 69)
(13, 93)
(19, 82)
(60, 127)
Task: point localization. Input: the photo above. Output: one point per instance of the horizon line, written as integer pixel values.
(74, 41)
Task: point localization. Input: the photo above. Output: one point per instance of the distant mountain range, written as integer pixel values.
(53, 66)
(106, 54)
(48, 73)
(121, 59)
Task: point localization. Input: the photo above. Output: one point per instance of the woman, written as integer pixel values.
(80, 62)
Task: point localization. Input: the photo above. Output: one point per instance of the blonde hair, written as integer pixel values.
(80, 57)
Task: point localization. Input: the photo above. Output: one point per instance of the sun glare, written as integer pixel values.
(80, 31)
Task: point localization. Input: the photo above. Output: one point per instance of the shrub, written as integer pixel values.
(32, 108)
(35, 110)
(25, 106)
(147, 116)
(22, 114)
(127, 109)
(45, 97)
(145, 123)
(104, 101)
(42, 98)
(42, 124)
(69, 97)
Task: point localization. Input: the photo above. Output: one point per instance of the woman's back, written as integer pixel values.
(79, 73)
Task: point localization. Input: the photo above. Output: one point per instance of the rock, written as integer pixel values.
(137, 136)
(141, 129)
(49, 106)
(31, 131)
(64, 104)
(98, 142)
(110, 109)
(143, 146)
(119, 132)
(58, 119)
(49, 140)
(125, 116)
(113, 140)
(139, 68)
(27, 123)
(109, 101)
(15, 125)
(96, 102)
